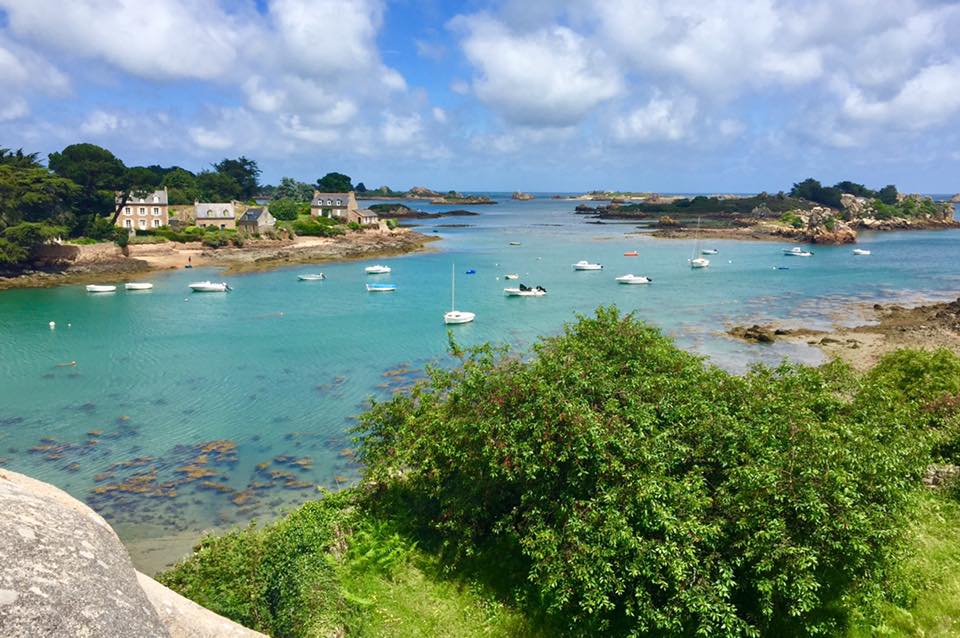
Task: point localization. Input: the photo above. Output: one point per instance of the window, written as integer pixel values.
(223, 226)
(225, 213)
(143, 210)
(209, 214)
(329, 202)
(143, 224)
(128, 223)
(156, 223)
(338, 202)
(156, 211)
(141, 200)
(156, 199)
(126, 210)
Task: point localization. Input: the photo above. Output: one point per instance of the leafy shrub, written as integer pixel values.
(288, 209)
(215, 239)
(354, 226)
(650, 494)
(792, 219)
(317, 226)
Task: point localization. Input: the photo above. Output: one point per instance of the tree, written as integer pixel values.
(98, 173)
(17, 242)
(217, 187)
(19, 159)
(245, 172)
(34, 195)
(361, 188)
(888, 194)
(288, 209)
(334, 183)
(290, 188)
(181, 186)
(858, 190)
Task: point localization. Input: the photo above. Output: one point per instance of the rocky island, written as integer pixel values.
(809, 213)
(421, 192)
(520, 196)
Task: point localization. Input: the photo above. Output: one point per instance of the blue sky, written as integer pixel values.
(663, 95)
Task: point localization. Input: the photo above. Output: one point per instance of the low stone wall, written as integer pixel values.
(78, 254)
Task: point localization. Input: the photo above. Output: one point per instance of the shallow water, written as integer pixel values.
(175, 398)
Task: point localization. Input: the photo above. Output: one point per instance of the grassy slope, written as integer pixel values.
(930, 606)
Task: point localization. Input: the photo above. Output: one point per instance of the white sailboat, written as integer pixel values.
(698, 262)
(456, 316)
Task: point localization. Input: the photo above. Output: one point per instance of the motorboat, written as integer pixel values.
(101, 288)
(133, 285)
(512, 276)
(861, 251)
(699, 262)
(381, 287)
(210, 286)
(797, 251)
(514, 243)
(312, 277)
(631, 253)
(525, 291)
(456, 316)
(586, 265)
(377, 269)
(633, 279)
(709, 251)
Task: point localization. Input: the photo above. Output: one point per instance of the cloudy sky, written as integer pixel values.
(682, 95)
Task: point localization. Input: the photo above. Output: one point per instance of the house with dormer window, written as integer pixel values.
(144, 213)
(222, 215)
(333, 205)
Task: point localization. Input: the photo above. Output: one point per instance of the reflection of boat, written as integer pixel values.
(512, 276)
(101, 288)
(525, 291)
(312, 277)
(631, 253)
(709, 251)
(633, 279)
(210, 286)
(381, 287)
(377, 269)
(861, 251)
(796, 251)
(698, 262)
(456, 316)
(133, 285)
(586, 265)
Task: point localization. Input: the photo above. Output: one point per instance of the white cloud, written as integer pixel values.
(162, 38)
(661, 119)
(929, 98)
(439, 115)
(210, 140)
(547, 77)
(100, 122)
(397, 130)
(13, 109)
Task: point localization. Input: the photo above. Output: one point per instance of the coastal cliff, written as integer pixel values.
(66, 573)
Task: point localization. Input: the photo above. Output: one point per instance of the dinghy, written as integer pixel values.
(631, 253)
(101, 288)
(709, 251)
(210, 286)
(512, 276)
(381, 287)
(133, 285)
(312, 277)
(861, 251)
(377, 269)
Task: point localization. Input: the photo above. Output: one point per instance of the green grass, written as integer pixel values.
(929, 605)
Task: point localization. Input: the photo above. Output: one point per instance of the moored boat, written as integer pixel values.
(456, 316)
(583, 264)
(381, 287)
(312, 277)
(699, 262)
(134, 285)
(632, 279)
(631, 253)
(525, 291)
(797, 251)
(514, 243)
(210, 286)
(512, 276)
(861, 251)
(709, 251)
(101, 288)
(377, 269)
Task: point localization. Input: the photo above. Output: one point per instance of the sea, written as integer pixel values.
(174, 414)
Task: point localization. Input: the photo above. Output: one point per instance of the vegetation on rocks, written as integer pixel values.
(611, 484)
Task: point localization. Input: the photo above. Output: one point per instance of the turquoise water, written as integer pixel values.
(170, 385)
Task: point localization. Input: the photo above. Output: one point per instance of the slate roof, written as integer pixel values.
(161, 195)
(214, 210)
(251, 215)
(320, 199)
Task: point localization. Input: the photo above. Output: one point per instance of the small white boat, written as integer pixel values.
(699, 262)
(861, 251)
(797, 251)
(210, 286)
(381, 287)
(456, 316)
(133, 285)
(377, 269)
(312, 277)
(524, 291)
(586, 265)
(101, 288)
(514, 243)
(709, 251)
(633, 279)
(512, 276)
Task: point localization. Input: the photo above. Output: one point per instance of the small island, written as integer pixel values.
(809, 212)
(421, 192)
(521, 196)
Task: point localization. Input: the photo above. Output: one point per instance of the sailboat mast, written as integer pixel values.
(453, 286)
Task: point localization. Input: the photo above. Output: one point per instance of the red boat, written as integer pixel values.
(631, 253)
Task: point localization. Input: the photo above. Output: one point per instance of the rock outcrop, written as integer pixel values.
(66, 573)
(955, 199)
(522, 196)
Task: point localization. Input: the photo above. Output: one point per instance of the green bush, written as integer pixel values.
(288, 209)
(354, 226)
(317, 226)
(647, 493)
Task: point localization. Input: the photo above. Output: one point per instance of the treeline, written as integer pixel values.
(812, 190)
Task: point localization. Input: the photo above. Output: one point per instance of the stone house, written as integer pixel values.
(222, 215)
(256, 220)
(364, 217)
(333, 205)
(144, 213)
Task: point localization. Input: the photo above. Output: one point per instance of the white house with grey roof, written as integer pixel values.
(333, 205)
(223, 215)
(143, 213)
(256, 220)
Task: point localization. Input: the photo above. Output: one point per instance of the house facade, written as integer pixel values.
(223, 215)
(364, 217)
(144, 213)
(333, 205)
(256, 220)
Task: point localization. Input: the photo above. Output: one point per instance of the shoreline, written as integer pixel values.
(258, 255)
(926, 325)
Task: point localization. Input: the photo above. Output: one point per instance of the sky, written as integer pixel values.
(549, 95)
